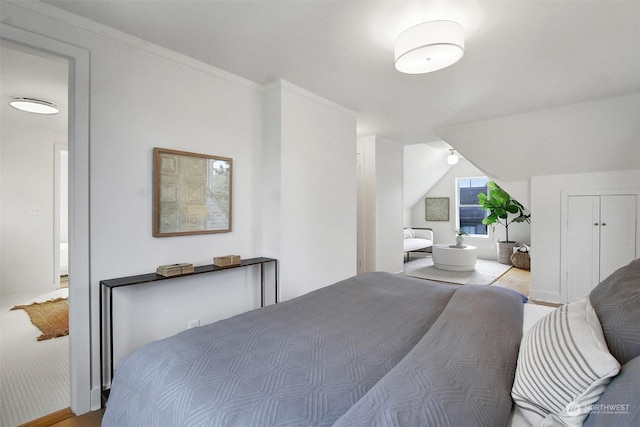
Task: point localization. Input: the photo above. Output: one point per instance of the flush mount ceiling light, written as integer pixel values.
(33, 105)
(452, 158)
(429, 47)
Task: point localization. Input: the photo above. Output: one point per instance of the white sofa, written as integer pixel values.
(417, 240)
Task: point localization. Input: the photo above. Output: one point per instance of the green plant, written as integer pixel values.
(461, 232)
(502, 208)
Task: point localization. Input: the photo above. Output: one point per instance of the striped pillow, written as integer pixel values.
(564, 365)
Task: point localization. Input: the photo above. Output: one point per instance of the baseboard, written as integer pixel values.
(50, 419)
(547, 297)
(96, 398)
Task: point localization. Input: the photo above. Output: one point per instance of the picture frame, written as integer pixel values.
(436, 208)
(192, 193)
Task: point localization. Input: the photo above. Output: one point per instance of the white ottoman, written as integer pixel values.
(454, 259)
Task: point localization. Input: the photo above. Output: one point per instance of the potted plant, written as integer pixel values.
(503, 210)
(460, 233)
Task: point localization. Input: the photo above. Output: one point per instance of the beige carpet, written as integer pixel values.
(51, 317)
(34, 378)
(485, 273)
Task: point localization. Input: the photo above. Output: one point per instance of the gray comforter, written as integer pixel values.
(375, 349)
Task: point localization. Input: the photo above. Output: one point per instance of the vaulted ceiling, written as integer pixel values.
(522, 58)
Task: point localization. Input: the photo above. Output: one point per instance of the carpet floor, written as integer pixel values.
(34, 379)
(485, 273)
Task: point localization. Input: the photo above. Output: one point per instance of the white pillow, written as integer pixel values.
(409, 233)
(564, 366)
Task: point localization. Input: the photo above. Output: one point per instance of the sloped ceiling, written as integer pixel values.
(588, 137)
(525, 62)
(424, 165)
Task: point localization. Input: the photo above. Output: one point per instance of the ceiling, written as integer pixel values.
(521, 56)
(33, 75)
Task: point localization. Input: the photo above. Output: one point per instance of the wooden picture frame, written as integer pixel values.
(436, 208)
(192, 193)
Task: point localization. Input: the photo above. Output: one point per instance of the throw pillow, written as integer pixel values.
(619, 405)
(409, 233)
(564, 365)
(616, 301)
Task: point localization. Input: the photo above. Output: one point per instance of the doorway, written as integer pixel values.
(83, 396)
(36, 373)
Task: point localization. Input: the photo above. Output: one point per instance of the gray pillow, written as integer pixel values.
(616, 301)
(619, 405)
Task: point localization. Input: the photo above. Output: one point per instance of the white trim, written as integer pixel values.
(285, 85)
(545, 296)
(79, 289)
(57, 149)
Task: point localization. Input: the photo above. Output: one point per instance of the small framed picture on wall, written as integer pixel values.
(436, 208)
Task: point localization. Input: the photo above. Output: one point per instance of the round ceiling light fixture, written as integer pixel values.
(452, 158)
(34, 105)
(429, 46)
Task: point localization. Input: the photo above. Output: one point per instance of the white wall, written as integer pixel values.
(381, 204)
(546, 227)
(143, 96)
(314, 142)
(26, 189)
(424, 165)
(366, 203)
(27, 217)
(444, 231)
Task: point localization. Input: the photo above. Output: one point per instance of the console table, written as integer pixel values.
(107, 286)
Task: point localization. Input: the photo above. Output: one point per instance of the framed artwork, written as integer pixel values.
(436, 208)
(191, 193)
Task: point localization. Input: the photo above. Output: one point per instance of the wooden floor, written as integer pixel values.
(91, 419)
(516, 279)
(66, 418)
(519, 280)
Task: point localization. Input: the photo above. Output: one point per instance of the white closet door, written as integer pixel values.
(617, 232)
(583, 239)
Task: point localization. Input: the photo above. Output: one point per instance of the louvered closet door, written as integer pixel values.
(583, 240)
(617, 232)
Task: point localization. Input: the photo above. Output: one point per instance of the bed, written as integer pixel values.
(375, 349)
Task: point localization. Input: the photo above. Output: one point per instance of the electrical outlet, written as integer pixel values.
(193, 323)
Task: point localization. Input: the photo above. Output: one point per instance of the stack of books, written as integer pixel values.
(174, 269)
(226, 261)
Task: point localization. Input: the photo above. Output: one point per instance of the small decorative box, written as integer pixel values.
(168, 270)
(226, 261)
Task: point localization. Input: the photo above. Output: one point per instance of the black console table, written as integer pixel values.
(110, 284)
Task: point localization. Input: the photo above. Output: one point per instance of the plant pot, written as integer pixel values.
(505, 250)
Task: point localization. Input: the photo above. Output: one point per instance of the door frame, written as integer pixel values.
(57, 191)
(83, 398)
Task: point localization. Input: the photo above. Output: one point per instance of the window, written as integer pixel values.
(469, 213)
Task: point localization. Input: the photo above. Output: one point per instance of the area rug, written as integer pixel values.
(485, 273)
(51, 317)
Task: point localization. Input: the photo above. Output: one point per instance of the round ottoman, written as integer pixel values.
(446, 257)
